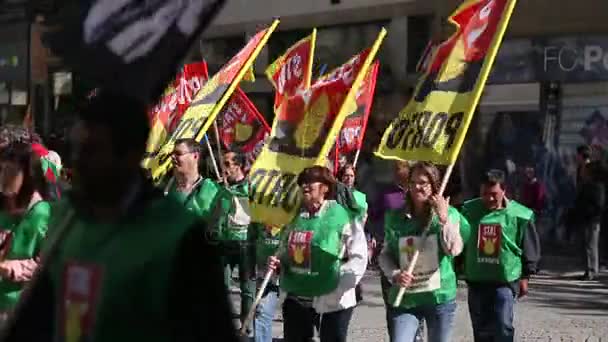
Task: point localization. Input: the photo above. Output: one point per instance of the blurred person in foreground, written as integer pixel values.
(130, 263)
(24, 216)
(499, 258)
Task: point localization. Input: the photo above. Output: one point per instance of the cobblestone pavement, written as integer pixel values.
(559, 308)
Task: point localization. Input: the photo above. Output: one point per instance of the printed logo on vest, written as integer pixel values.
(488, 243)
(426, 272)
(6, 241)
(81, 287)
(299, 251)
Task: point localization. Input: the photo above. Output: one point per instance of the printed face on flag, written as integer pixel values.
(433, 124)
(202, 111)
(116, 44)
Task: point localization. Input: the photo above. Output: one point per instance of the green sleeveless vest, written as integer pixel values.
(200, 201)
(493, 254)
(361, 202)
(310, 265)
(21, 238)
(106, 275)
(436, 279)
(267, 241)
(231, 203)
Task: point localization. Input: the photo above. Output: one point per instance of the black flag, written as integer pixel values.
(131, 46)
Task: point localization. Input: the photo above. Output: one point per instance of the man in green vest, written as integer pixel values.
(187, 185)
(499, 258)
(231, 228)
(121, 261)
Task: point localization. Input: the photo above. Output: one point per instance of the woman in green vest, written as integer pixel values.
(347, 176)
(323, 256)
(24, 216)
(428, 224)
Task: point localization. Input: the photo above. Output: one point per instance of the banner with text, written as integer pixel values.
(172, 105)
(209, 101)
(242, 127)
(352, 133)
(433, 125)
(292, 70)
(303, 132)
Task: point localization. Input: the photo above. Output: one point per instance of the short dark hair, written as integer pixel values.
(239, 157)
(191, 143)
(493, 177)
(125, 117)
(584, 151)
(343, 169)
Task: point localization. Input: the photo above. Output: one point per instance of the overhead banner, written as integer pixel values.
(209, 101)
(433, 125)
(133, 47)
(242, 127)
(303, 132)
(292, 70)
(165, 115)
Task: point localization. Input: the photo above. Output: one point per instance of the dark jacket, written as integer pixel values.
(588, 204)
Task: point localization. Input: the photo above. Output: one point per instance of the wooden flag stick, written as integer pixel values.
(213, 161)
(412, 264)
(256, 302)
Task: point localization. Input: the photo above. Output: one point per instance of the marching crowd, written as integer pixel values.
(117, 259)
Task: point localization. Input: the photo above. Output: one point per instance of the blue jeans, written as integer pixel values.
(264, 314)
(439, 320)
(491, 310)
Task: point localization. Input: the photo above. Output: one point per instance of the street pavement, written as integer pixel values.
(558, 308)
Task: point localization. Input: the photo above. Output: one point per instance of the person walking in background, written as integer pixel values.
(533, 191)
(230, 228)
(431, 288)
(499, 258)
(587, 214)
(24, 216)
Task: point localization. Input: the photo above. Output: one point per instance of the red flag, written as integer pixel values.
(242, 128)
(353, 129)
(179, 95)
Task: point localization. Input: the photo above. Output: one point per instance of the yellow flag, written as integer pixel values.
(209, 101)
(305, 127)
(433, 125)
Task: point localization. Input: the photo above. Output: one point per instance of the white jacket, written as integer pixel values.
(351, 272)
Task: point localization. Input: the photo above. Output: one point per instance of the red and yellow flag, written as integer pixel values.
(433, 125)
(293, 70)
(242, 127)
(165, 115)
(209, 101)
(304, 130)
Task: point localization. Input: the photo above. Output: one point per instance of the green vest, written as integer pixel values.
(266, 242)
(200, 200)
(231, 212)
(435, 277)
(20, 238)
(111, 280)
(494, 252)
(361, 202)
(310, 263)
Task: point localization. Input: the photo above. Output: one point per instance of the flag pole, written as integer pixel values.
(213, 161)
(412, 264)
